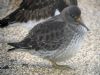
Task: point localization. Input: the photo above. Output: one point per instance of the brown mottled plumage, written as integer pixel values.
(35, 10)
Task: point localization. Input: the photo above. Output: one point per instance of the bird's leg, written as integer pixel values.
(64, 67)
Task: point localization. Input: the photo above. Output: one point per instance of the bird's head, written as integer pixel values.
(72, 14)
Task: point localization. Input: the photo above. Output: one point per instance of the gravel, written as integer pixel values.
(86, 61)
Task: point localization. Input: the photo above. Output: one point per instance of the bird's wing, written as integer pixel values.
(49, 35)
(65, 3)
(35, 9)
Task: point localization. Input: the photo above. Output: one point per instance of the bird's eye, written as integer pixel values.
(72, 16)
(76, 17)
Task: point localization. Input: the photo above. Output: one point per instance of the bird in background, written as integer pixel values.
(35, 10)
(56, 39)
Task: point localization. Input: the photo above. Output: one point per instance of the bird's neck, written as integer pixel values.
(65, 19)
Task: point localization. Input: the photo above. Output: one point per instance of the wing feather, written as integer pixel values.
(35, 9)
(48, 35)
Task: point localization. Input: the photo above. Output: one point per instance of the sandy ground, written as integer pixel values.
(86, 62)
(8, 6)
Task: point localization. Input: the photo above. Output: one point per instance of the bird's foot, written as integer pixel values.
(64, 67)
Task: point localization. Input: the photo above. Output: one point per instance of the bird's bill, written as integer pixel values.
(84, 25)
(77, 19)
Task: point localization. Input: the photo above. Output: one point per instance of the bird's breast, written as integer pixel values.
(77, 39)
(71, 49)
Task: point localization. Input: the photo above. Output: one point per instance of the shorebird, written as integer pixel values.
(35, 10)
(56, 39)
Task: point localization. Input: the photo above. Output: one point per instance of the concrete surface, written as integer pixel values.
(86, 62)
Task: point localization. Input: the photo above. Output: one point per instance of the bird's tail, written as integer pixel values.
(6, 22)
(15, 46)
(10, 19)
(3, 23)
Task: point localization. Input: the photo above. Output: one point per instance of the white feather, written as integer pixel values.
(57, 12)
